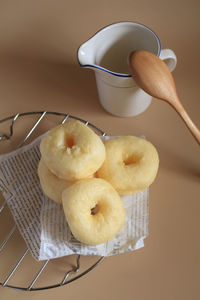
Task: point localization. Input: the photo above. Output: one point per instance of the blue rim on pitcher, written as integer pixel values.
(93, 66)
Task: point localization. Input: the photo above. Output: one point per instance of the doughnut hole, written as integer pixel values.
(100, 207)
(69, 141)
(95, 210)
(131, 159)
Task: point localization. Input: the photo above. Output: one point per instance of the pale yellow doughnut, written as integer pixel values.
(52, 185)
(72, 151)
(93, 210)
(131, 164)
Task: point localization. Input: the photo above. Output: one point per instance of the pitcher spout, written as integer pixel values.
(85, 55)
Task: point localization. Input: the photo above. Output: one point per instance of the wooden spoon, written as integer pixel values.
(152, 75)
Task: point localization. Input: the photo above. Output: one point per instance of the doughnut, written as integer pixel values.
(131, 164)
(52, 185)
(94, 211)
(72, 151)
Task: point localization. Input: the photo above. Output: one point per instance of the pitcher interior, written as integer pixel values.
(113, 44)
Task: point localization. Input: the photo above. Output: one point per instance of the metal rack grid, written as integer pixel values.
(75, 269)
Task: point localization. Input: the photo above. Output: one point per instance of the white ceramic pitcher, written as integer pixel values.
(107, 54)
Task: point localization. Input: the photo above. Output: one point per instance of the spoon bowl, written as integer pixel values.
(153, 76)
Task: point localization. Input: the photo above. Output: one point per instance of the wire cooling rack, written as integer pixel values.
(32, 130)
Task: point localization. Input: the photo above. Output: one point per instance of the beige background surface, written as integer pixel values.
(39, 71)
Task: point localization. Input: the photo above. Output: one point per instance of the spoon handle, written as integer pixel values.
(186, 118)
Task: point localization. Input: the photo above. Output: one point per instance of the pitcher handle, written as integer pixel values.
(169, 57)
